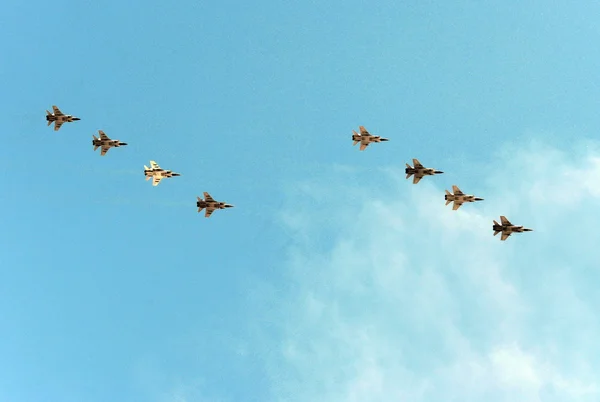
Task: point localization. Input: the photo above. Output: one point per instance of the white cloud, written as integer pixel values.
(407, 300)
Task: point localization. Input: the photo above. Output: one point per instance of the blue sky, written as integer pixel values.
(333, 278)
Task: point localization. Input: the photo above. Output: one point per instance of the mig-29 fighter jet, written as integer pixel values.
(419, 171)
(210, 204)
(157, 173)
(507, 228)
(59, 118)
(459, 198)
(105, 142)
(365, 138)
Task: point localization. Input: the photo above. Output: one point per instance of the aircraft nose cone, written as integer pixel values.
(176, 174)
(384, 139)
(123, 143)
(478, 199)
(228, 206)
(76, 118)
(438, 172)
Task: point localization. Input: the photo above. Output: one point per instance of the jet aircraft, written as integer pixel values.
(59, 118)
(210, 204)
(157, 173)
(105, 142)
(419, 171)
(507, 228)
(365, 138)
(459, 198)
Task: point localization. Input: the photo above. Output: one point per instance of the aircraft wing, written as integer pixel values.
(102, 135)
(456, 190)
(505, 235)
(363, 130)
(208, 212)
(456, 205)
(154, 165)
(504, 221)
(57, 111)
(104, 150)
(156, 180)
(417, 164)
(417, 178)
(57, 124)
(207, 197)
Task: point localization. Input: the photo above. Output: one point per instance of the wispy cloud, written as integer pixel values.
(407, 300)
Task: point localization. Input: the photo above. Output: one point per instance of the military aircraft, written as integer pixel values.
(105, 142)
(210, 204)
(459, 198)
(157, 173)
(507, 228)
(365, 138)
(419, 171)
(59, 118)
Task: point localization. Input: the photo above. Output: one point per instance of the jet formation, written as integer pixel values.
(418, 171)
(156, 173)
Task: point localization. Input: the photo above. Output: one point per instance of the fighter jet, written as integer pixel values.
(419, 171)
(157, 173)
(507, 228)
(59, 118)
(365, 138)
(210, 204)
(459, 198)
(105, 142)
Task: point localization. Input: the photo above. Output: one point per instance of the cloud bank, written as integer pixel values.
(393, 296)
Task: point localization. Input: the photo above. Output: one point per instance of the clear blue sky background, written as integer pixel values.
(333, 278)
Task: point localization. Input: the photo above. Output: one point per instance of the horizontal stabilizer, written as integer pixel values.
(146, 167)
(96, 147)
(94, 137)
(48, 113)
(355, 142)
(49, 122)
(448, 202)
(496, 223)
(408, 166)
(200, 209)
(408, 175)
(148, 178)
(496, 232)
(448, 193)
